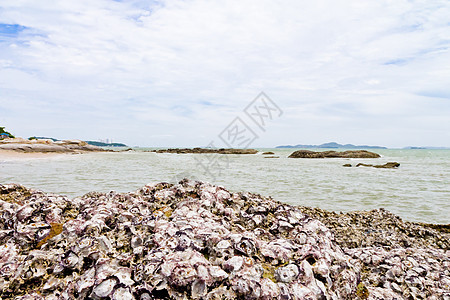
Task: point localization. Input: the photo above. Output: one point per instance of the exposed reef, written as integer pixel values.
(388, 165)
(334, 154)
(48, 146)
(206, 150)
(380, 228)
(194, 240)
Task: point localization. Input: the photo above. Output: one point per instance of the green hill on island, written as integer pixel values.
(101, 144)
(5, 134)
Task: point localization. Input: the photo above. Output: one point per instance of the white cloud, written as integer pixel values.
(349, 71)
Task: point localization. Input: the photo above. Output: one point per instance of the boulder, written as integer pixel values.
(388, 165)
(48, 146)
(75, 142)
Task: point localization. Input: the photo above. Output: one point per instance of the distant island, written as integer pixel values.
(93, 143)
(101, 144)
(426, 147)
(333, 145)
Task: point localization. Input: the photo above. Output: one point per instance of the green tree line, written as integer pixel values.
(2, 130)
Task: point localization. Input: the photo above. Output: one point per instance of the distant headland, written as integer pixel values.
(39, 144)
(93, 143)
(47, 146)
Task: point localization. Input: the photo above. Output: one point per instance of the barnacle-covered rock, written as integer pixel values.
(380, 228)
(287, 273)
(105, 288)
(194, 240)
(418, 273)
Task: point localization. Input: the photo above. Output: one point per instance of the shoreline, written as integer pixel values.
(8, 155)
(197, 240)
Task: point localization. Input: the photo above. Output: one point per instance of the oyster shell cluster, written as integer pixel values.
(194, 240)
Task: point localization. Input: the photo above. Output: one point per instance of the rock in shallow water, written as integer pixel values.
(388, 165)
(334, 154)
(192, 240)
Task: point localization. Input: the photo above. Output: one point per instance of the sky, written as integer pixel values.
(178, 73)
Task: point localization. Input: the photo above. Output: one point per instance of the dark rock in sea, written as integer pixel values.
(347, 165)
(334, 154)
(268, 153)
(363, 165)
(271, 157)
(206, 150)
(194, 240)
(388, 165)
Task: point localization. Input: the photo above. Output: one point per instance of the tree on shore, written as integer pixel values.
(2, 130)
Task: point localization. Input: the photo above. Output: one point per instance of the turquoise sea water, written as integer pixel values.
(418, 191)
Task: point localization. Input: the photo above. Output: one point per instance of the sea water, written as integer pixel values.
(419, 190)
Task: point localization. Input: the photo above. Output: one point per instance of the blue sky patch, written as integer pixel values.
(207, 103)
(443, 94)
(11, 30)
(398, 61)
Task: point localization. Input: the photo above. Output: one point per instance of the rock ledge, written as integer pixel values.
(48, 146)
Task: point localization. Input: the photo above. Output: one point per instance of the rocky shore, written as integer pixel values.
(334, 154)
(206, 150)
(194, 240)
(47, 146)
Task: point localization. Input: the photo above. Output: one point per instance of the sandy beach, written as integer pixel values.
(6, 155)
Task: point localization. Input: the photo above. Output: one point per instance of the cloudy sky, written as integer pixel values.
(176, 73)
